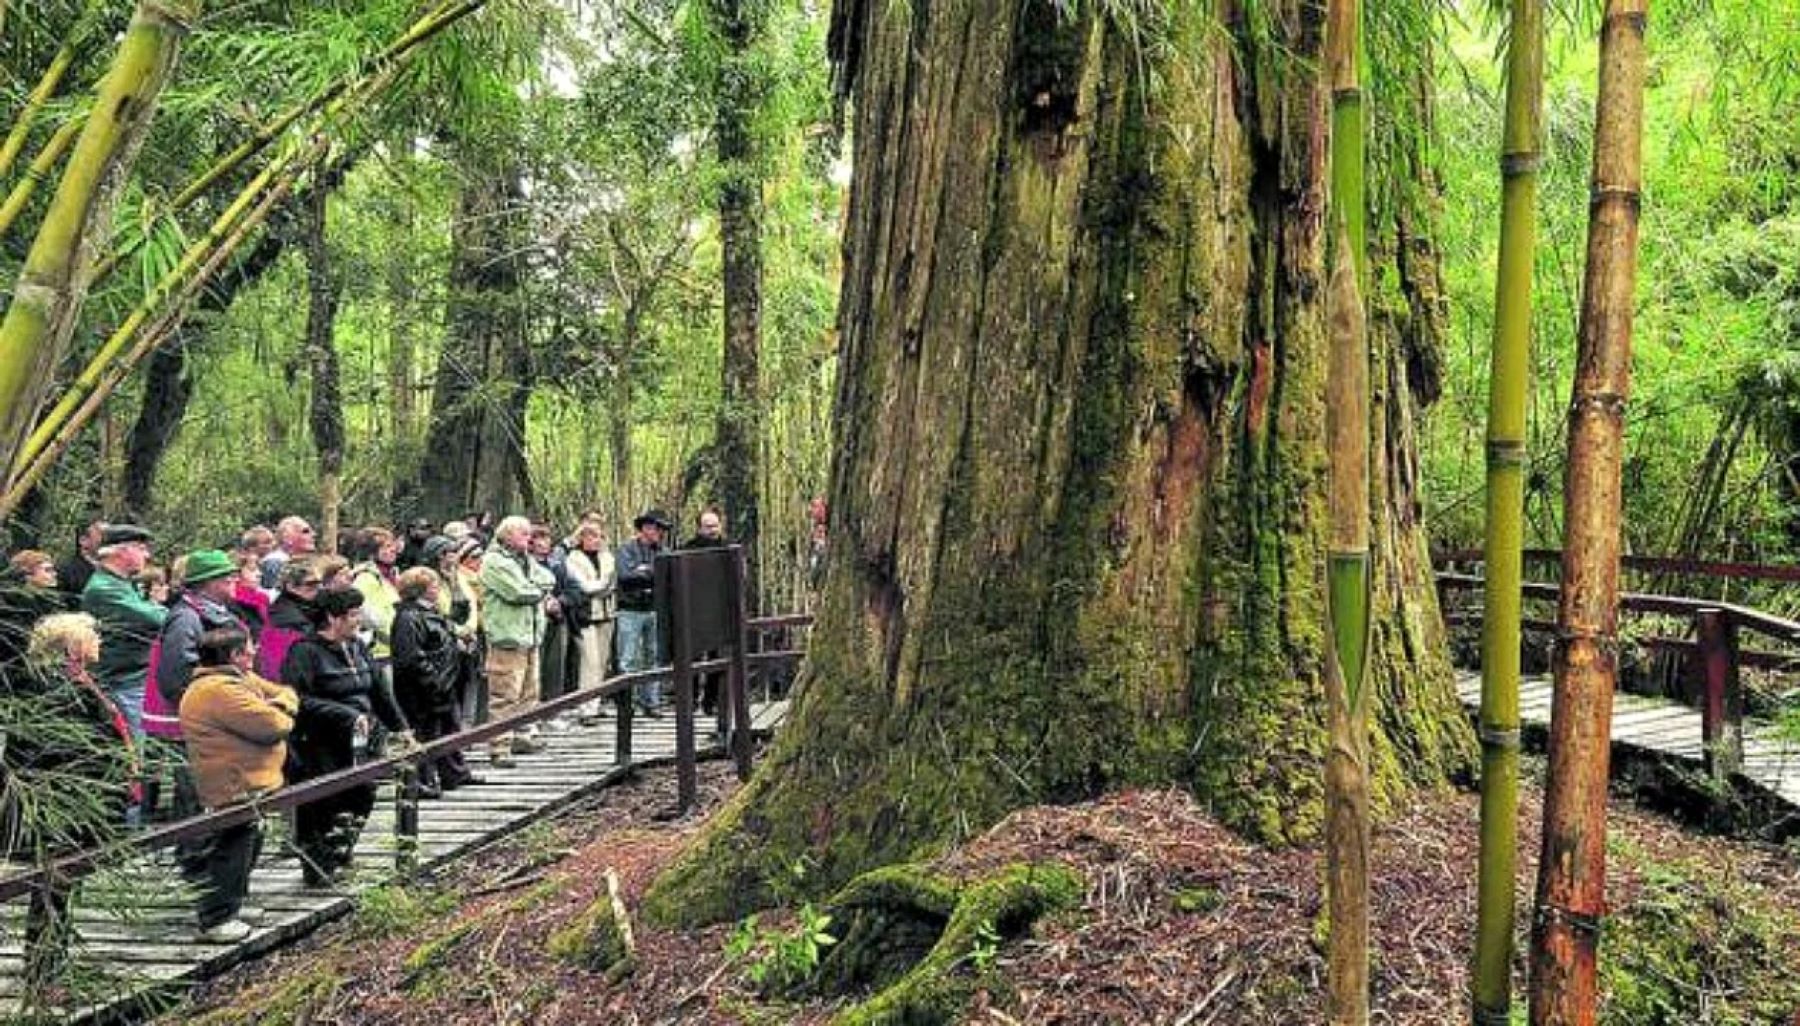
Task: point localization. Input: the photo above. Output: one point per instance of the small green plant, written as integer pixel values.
(986, 947)
(781, 960)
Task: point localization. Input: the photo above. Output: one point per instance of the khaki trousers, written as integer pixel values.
(512, 676)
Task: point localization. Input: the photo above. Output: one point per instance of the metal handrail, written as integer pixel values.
(82, 863)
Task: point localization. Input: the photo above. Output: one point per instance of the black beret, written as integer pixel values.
(119, 534)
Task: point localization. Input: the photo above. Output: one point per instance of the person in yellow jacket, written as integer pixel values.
(236, 726)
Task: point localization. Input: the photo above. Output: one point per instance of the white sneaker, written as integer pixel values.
(228, 932)
(251, 914)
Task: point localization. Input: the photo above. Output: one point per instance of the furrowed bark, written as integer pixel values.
(1571, 893)
(1347, 559)
(1079, 499)
(53, 283)
(326, 412)
(1504, 555)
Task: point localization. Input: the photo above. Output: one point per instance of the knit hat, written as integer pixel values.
(207, 565)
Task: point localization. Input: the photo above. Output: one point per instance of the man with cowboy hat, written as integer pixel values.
(640, 644)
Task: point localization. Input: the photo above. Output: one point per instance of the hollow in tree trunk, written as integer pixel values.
(1078, 496)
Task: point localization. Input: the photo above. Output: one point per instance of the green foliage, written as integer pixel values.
(781, 961)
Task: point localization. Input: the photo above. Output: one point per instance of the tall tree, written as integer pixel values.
(475, 443)
(1504, 554)
(1571, 891)
(53, 282)
(324, 291)
(1079, 483)
(739, 436)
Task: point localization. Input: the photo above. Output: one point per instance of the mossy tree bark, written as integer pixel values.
(325, 414)
(1079, 490)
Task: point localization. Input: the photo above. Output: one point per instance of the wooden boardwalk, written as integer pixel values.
(1664, 727)
(154, 948)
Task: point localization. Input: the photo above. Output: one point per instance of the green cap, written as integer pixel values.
(207, 565)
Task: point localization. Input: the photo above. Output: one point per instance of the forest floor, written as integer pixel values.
(1183, 923)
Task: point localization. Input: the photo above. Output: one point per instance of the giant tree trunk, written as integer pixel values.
(1079, 490)
(326, 416)
(735, 452)
(476, 440)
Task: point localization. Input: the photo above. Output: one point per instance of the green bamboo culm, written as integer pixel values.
(51, 283)
(36, 172)
(1347, 565)
(1521, 155)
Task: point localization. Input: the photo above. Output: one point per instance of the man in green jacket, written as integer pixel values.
(129, 622)
(517, 593)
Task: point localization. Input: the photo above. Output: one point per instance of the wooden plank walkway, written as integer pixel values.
(154, 948)
(1665, 727)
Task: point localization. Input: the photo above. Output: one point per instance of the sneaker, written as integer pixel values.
(251, 914)
(502, 760)
(527, 745)
(230, 931)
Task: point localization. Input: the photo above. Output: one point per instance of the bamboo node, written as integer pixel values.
(175, 15)
(1349, 94)
(1584, 924)
(1505, 453)
(1484, 1016)
(1512, 165)
(1630, 196)
(1495, 737)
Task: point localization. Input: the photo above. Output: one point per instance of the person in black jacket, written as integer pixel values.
(427, 678)
(345, 714)
(709, 535)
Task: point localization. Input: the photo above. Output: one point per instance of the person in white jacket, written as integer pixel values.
(591, 569)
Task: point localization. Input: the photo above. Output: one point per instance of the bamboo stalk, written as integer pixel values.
(382, 66)
(1347, 565)
(1504, 556)
(147, 343)
(35, 173)
(50, 286)
(40, 94)
(1571, 891)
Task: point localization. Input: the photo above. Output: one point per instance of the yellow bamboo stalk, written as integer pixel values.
(35, 173)
(37, 323)
(147, 342)
(35, 100)
(383, 66)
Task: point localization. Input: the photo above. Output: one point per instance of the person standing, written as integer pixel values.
(640, 645)
(709, 534)
(593, 577)
(129, 621)
(556, 669)
(516, 595)
(412, 554)
(72, 576)
(427, 677)
(236, 725)
(345, 715)
(294, 537)
(28, 593)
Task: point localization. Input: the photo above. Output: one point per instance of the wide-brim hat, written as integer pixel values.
(121, 534)
(207, 565)
(653, 516)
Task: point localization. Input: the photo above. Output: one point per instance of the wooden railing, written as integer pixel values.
(733, 724)
(1713, 650)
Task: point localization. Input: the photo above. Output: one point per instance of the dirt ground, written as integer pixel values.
(1183, 924)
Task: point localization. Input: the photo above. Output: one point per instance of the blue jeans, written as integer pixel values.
(130, 700)
(640, 648)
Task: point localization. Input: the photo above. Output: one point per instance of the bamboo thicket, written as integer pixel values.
(53, 281)
(1571, 891)
(1521, 156)
(1347, 570)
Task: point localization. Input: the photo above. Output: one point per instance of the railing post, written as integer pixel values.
(623, 708)
(1721, 699)
(737, 689)
(406, 819)
(687, 771)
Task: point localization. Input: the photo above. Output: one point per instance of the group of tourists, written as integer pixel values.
(240, 669)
